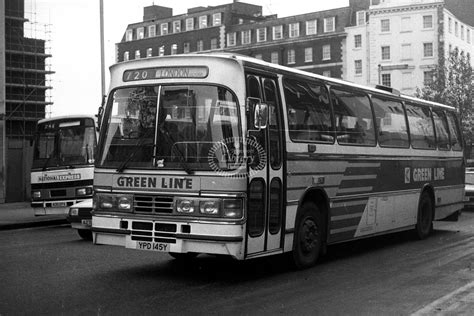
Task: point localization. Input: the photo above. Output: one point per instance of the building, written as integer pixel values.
(23, 99)
(403, 41)
(314, 41)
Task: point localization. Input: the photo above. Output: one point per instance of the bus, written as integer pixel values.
(63, 163)
(230, 155)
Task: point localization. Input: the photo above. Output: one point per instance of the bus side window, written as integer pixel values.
(442, 129)
(391, 123)
(421, 127)
(454, 132)
(355, 123)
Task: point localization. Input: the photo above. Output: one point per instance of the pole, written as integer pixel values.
(102, 53)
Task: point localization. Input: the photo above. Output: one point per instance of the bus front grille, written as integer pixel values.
(154, 232)
(150, 204)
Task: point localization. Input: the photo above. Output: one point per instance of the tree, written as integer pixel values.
(453, 84)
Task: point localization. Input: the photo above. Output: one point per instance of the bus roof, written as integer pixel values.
(246, 59)
(68, 117)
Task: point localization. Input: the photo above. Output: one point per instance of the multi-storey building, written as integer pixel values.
(314, 41)
(402, 42)
(25, 98)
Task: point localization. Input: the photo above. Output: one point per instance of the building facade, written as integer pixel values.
(25, 94)
(403, 41)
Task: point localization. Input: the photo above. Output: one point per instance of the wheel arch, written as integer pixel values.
(318, 196)
(429, 189)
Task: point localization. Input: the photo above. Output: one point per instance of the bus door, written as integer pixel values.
(265, 152)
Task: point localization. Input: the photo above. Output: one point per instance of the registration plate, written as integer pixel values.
(153, 246)
(87, 222)
(58, 204)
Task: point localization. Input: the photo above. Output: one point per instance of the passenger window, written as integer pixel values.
(309, 111)
(421, 127)
(391, 123)
(354, 120)
(454, 132)
(442, 129)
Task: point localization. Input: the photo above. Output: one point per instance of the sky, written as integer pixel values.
(74, 35)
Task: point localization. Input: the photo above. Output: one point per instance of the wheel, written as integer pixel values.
(85, 234)
(424, 220)
(183, 256)
(308, 238)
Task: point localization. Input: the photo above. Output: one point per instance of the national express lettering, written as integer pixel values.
(154, 183)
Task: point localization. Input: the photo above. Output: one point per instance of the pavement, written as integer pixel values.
(21, 215)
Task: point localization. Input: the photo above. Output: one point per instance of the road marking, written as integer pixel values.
(459, 300)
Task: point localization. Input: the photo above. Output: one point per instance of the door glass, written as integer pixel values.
(273, 123)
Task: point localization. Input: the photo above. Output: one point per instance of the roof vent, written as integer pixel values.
(388, 89)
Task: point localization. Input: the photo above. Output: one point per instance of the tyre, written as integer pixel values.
(424, 220)
(85, 234)
(308, 238)
(183, 256)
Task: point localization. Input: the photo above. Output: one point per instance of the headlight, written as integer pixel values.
(83, 191)
(185, 206)
(36, 194)
(113, 202)
(232, 208)
(209, 207)
(74, 211)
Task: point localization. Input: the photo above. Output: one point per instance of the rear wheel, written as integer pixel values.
(308, 239)
(424, 221)
(85, 234)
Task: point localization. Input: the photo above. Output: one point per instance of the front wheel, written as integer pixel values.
(308, 238)
(424, 221)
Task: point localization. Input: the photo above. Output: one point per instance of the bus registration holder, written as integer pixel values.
(153, 246)
(58, 204)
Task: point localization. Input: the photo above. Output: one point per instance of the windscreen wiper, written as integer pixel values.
(182, 160)
(137, 146)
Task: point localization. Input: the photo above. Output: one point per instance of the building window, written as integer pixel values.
(291, 56)
(246, 37)
(176, 26)
(407, 78)
(427, 49)
(468, 35)
(385, 52)
(149, 52)
(357, 41)
(186, 47)
(427, 77)
(174, 49)
(200, 45)
(387, 80)
(406, 52)
(126, 56)
(231, 39)
(308, 54)
(216, 19)
(137, 54)
(427, 21)
(277, 32)
(327, 73)
(164, 28)
(456, 28)
(462, 32)
(129, 35)
(152, 31)
(161, 51)
(450, 25)
(326, 52)
(361, 18)
(406, 24)
(274, 58)
(203, 21)
(189, 24)
(140, 33)
(214, 43)
(311, 27)
(329, 24)
(261, 35)
(294, 29)
(385, 25)
(259, 56)
(358, 66)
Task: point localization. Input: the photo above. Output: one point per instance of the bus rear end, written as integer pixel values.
(63, 163)
(170, 174)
